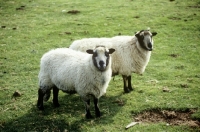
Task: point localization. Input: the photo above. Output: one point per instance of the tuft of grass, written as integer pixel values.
(28, 29)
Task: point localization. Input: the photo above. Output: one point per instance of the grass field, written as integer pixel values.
(29, 28)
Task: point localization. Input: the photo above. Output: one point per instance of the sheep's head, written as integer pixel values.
(101, 56)
(145, 39)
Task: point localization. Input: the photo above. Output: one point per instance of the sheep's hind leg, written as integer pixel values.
(55, 96)
(129, 83)
(87, 109)
(97, 111)
(40, 99)
(126, 90)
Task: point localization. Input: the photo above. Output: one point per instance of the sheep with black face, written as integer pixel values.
(132, 53)
(87, 74)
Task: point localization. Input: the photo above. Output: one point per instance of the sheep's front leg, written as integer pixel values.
(55, 96)
(87, 109)
(40, 99)
(97, 111)
(129, 83)
(125, 80)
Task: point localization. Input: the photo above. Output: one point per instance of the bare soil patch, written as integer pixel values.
(194, 6)
(171, 117)
(174, 18)
(73, 12)
(174, 55)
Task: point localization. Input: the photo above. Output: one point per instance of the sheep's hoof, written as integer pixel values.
(98, 115)
(88, 116)
(130, 89)
(126, 90)
(40, 107)
(56, 105)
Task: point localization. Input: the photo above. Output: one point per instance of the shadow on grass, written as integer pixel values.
(69, 116)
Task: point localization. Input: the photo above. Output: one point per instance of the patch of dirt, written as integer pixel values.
(170, 117)
(73, 12)
(166, 89)
(20, 8)
(136, 17)
(174, 55)
(118, 101)
(3, 26)
(68, 33)
(194, 6)
(16, 94)
(184, 85)
(174, 18)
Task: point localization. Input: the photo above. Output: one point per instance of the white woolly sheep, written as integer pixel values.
(73, 71)
(132, 53)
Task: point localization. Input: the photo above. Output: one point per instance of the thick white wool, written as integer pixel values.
(128, 56)
(71, 70)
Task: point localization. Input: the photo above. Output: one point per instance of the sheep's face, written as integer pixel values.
(145, 39)
(101, 57)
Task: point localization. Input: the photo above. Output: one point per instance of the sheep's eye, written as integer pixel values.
(95, 54)
(106, 54)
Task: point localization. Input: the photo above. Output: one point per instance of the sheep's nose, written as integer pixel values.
(101, 63)
(150, 45)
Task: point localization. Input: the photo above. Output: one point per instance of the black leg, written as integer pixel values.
(126, 90)
(97, 111)
(87, 109)
(55, 96)
(40, 99)
(129, 83)
(47, 95)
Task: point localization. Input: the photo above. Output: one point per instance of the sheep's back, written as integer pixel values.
(123, 45)
(58, 67)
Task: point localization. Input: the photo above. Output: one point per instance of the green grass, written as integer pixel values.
(39, 26)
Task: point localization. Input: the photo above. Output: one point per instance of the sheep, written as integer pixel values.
(87, 74)
(132, 53)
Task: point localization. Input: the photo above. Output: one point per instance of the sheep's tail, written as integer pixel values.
(47, 95)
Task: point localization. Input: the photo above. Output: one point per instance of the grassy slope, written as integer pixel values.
(41, 26)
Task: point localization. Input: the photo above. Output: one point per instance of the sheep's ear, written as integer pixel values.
(154, 33)
(111, 50)
(89, 51)
(137, 35)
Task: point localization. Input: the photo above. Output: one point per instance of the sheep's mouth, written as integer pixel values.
(150, 49)
(102, 69)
